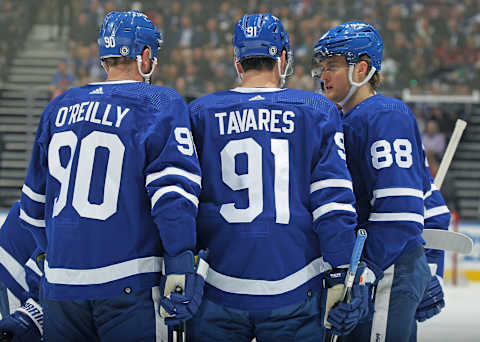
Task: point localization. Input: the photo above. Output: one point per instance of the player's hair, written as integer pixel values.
(117, 61)
(376, 79)
(258, 63)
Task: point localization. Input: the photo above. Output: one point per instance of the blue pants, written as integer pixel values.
(131, 317)
(297, 322)
(397, 297)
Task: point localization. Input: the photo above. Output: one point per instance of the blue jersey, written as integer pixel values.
(437, 216)
(276, 207)
(112, 185)
(18, 272)
(390, 181)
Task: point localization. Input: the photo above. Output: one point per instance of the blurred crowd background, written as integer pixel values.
(431, 46)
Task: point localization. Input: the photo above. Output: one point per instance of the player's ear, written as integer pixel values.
(146, 56)
(283, 59)
(360, 71)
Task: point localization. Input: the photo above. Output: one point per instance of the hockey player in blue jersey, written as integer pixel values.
(112, 187)
(277, 207)
(22, 316)
(393, 188)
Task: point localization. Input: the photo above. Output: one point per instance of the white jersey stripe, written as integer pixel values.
(173, 188)
(396, 217)
(326, 208)
(391, 192)
(31, 220)
(13, 302)
(443, 209)
(267, 287)
(102, 275)
(34, 267)
(331, 183)
(168, 171)
(13, 267)
(32, 194)
(433, 188)
(382, 301)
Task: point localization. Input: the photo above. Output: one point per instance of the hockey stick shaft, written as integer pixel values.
(352, 269)
(449, 152)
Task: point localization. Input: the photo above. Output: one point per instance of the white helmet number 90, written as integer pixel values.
(109, 41)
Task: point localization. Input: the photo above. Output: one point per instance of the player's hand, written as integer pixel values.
(341, 317)
(432, 302)
(182, 286)
(24, 325)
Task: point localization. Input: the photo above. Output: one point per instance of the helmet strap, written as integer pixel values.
(146, 77)
(355, 85)
(283, 75)
(239, 74)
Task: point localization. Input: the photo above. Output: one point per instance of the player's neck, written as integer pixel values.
(123, 74)
(362, 93)
(260, 79)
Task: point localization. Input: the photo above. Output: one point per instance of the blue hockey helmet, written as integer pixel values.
(125, 34)
(262, 35)
(352, 40)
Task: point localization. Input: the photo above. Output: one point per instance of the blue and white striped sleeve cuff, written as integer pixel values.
(331, 206)
(173, 171)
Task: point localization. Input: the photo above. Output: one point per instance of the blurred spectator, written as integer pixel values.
(83, 33)
(433, 139)
(435, 46)
(62, 80)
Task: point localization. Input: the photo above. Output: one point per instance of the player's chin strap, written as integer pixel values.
(355, 85)
(146, 77)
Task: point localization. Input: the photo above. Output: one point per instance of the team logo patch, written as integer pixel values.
(272, 50)
(124, 50)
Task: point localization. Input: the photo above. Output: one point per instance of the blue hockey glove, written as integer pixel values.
(432, 302)
(182, 286)
(24, 325)
(342, 317)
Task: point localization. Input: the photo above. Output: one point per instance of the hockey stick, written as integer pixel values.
(352, 269)
(447, 240)
(449, 152)
(179, 331)
(444, 239)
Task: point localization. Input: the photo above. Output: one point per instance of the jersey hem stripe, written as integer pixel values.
(101, 275)
(267, 287)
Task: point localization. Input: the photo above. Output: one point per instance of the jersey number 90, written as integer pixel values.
(82, 179)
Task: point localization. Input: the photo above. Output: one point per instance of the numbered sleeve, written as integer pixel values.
(173, 178)
(332, 198)
(33, 199)
(396, 170)
(437, 216)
